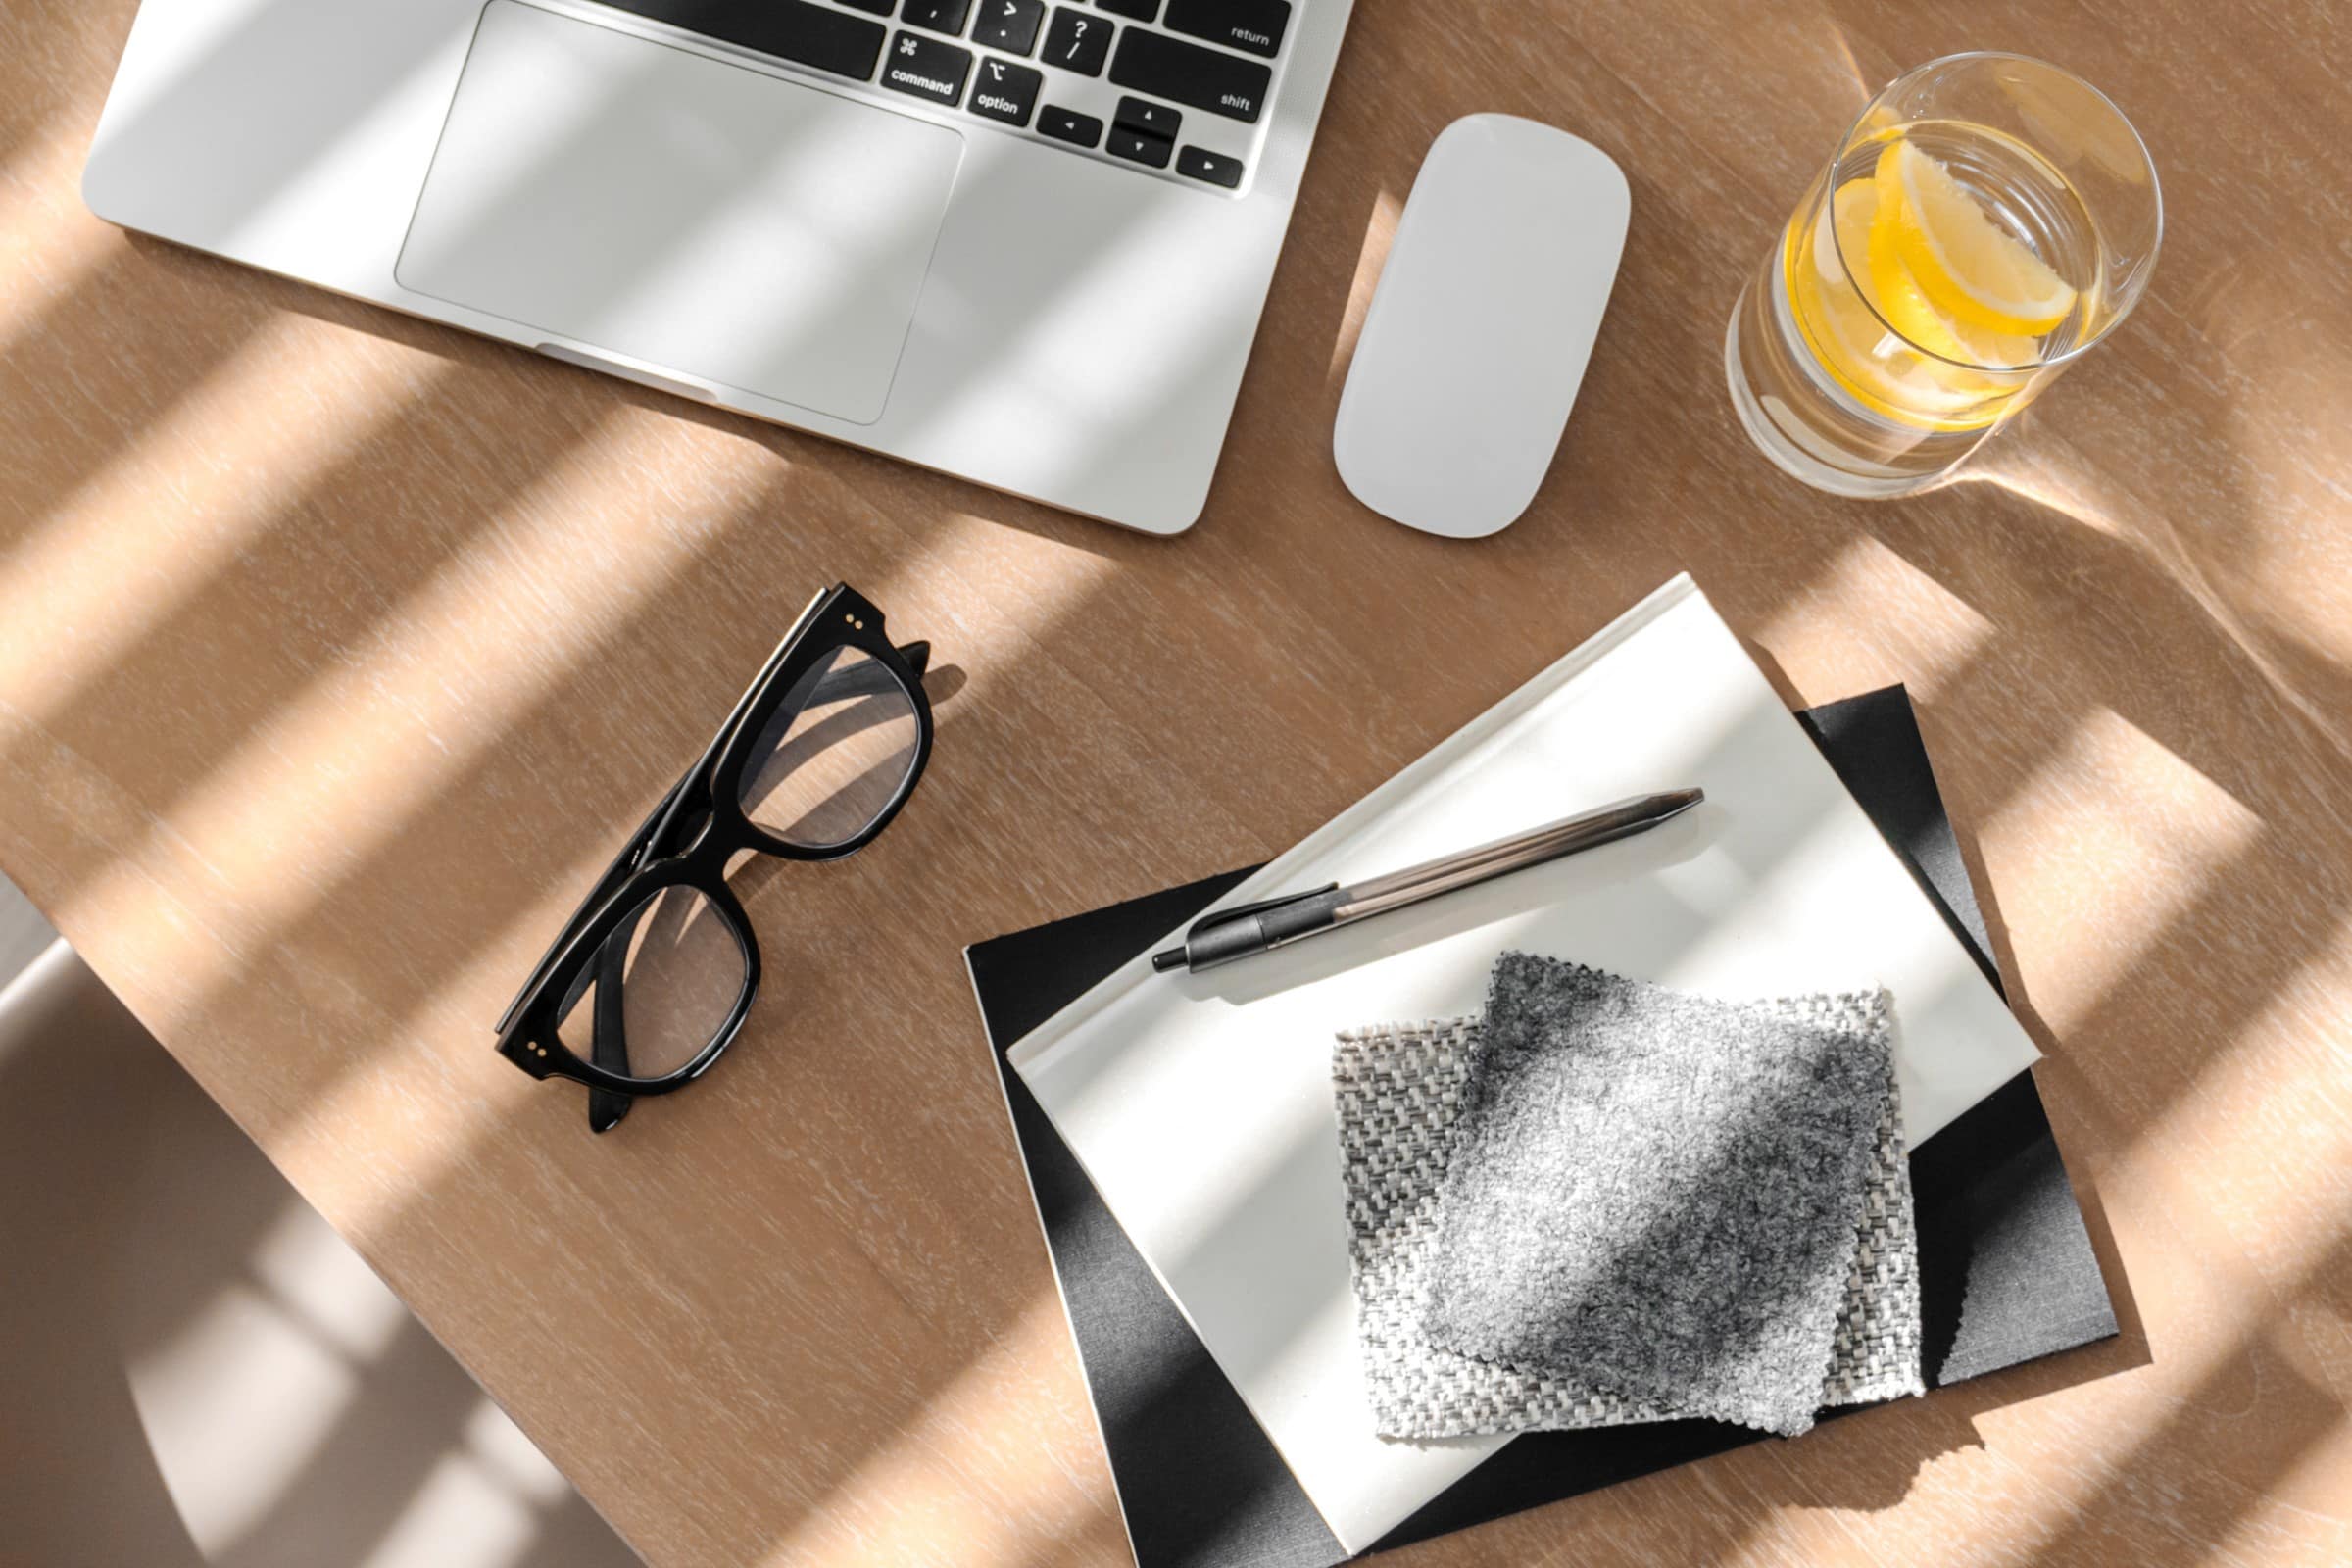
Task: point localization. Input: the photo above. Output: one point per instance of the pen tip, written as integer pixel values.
(1684, 799)
(1166, 960)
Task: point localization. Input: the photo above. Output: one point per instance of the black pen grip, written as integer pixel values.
(1306, 913)
(1255, 927)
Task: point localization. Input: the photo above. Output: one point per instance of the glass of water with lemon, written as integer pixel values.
(1986, 219)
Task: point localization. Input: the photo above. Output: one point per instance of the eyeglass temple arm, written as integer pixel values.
(867, 679)
(608, 1029)
(870, 679)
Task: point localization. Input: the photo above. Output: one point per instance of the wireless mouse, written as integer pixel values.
(1477, 338)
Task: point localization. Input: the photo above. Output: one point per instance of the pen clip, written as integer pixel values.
(1211, 922)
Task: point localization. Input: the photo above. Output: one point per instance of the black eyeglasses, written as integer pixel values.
(654, 974)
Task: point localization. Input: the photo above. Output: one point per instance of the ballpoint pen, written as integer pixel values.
(1230, 934)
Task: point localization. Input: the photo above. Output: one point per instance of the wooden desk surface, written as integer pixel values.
(337, 649)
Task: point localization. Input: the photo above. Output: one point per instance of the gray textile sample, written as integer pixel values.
(1656, 1192)
(1398, 1093)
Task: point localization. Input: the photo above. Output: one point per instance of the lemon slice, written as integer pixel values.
(1892, 288)
(1852, 344)
(1968, 267)
(1995, 351)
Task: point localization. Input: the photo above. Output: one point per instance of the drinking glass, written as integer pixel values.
(1986, 221)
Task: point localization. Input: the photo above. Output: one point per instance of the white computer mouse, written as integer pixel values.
(1476, 337)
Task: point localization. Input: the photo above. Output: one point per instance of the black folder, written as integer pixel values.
(2007, 1273)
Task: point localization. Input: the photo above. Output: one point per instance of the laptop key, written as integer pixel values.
(1142, 113)
(880, 8)
(1077, 41)
(1196, 77)
(938, 16)
(1010, 24)
(816, 36)
(1254, 25)
(1196, 163)
(1140, 146)
(1067, 124)
(1007, 92)
(926, 68)
(1134, 9)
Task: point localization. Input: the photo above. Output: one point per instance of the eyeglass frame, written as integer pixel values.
(837, 619)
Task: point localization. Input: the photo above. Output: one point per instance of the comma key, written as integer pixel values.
(940, 15)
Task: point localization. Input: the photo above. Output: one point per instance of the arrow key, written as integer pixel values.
(1146, 117)
(1140, 146)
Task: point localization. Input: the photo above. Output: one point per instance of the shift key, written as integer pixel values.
(1187, 74)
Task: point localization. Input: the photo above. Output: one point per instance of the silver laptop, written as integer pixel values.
(1025, 241)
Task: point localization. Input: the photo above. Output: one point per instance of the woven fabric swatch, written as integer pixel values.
(1399, 1095)
(1654, 1189)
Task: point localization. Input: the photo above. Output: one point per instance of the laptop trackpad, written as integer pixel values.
(699, 216)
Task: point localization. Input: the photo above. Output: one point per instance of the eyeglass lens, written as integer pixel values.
(835, 754)
(678, 967)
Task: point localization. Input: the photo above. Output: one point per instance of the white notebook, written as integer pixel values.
(1201, 1105)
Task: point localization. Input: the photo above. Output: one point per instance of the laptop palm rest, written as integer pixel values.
(680, 212)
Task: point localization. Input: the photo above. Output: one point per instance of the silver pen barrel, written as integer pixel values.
(1583, 831)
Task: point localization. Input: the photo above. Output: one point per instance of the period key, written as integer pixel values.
(1005, 91)
(1010, 24)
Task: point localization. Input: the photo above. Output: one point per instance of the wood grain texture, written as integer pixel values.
(337, 649)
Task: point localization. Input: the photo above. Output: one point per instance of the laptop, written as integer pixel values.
(1024, 241)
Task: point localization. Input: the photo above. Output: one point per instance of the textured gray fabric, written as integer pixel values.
(1655, 1191)
(1397, 1090)
(1878, 1349)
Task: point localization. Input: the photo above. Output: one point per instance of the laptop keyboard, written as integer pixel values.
(1182, 82)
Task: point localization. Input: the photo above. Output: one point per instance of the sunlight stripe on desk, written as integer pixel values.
(1869, 601)
(963, 1469)
(148, 531)
(2110, 795)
